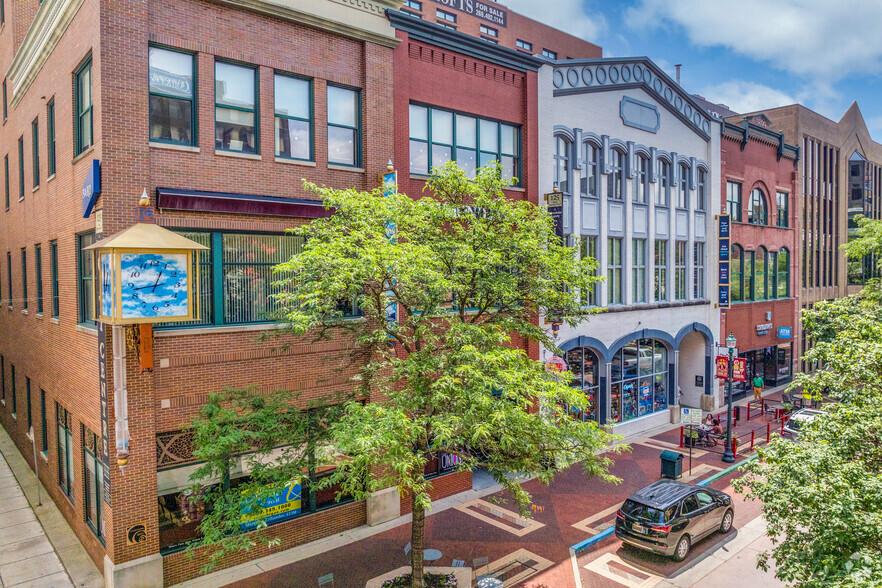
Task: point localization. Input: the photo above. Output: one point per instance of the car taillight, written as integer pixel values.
(662, 529)
(620, 514)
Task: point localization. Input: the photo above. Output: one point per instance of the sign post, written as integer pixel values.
(690, 417)
(554, 202)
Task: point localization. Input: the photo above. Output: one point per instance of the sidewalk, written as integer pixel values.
(37, 546)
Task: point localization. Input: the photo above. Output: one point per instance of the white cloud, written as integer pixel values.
(816, 39)
(743, 96)
(567, 15)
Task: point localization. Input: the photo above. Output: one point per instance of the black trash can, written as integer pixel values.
(671, 464)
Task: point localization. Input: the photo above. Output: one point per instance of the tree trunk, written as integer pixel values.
(416, 542)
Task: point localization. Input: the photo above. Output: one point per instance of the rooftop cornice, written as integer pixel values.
(440, 36)
(747, 130)
(576, 76)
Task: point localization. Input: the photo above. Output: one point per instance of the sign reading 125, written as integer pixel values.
(153, 285)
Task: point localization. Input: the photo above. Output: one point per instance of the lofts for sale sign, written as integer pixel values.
(482, 10)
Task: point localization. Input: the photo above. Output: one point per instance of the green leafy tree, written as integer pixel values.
(469, 273)
(822, 496)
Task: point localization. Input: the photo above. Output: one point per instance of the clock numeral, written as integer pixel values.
(134, 274)
(155, 307)
(131, 285)
(135, 296)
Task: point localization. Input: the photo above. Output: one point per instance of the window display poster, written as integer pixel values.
(283, 505)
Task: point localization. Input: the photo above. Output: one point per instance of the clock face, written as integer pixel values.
(154, 285)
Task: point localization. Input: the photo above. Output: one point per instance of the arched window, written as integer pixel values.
(784, 273)
(702, 190)
(639, 383)
(562, 165)
(683, 187)
(641, 181)
(757, 211)
(662, 197)
(759, 285)
(589, 173)
(616, 175)
(583, 363)
(736, 273)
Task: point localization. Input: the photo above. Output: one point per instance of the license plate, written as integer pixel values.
(638, 528)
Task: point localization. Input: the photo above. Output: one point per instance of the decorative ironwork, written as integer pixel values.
(174, 449)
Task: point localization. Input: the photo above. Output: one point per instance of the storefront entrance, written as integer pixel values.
(772, 363)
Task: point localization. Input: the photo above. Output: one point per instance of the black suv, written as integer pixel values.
(668, 517)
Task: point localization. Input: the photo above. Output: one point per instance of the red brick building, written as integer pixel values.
(760, 191)
(495, 23)
(217, 110)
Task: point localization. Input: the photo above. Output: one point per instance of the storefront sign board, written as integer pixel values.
(283, 505)
(555, 209)
(784, 332)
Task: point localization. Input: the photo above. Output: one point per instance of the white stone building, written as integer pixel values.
(638, 163)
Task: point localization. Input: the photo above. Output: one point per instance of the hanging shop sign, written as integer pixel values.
(556, 364)
(281, 506)
(554, 202)
(739, 369)
(724, 261)
(91, 188)
(482, 10)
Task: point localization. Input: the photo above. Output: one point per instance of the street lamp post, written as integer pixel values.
(728, 456)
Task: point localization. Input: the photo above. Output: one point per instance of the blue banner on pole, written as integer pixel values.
(91, 188)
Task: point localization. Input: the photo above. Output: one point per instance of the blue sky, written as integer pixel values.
(747, 54)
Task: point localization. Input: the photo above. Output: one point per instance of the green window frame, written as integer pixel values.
(344, 127)
(783, 206)
(680, 270)
(53, 268)
(589, 249)
(171, 75)
(93, 474)
(28, 398)
(638, 269)
(294, 112)
(748, 275)
(614, 270)
(9, 275)
(783, 285)
(64, 423)
(24, 278)
(661, 270)
(236, 107)
(83, 120)
(14, 396)
(736, 272)
(2, 11)
(698, 286)
(44, 433)
(21, 188)
(236, 277)
(5, 104)
(757, 209)
(50, 136)
(35, 145)
(6, 177)
(438, 135)
(760, 280)
(85, 279)
(733, 201)
(38, 268)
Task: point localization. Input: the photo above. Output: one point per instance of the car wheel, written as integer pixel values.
(682, 549)
(726, 525)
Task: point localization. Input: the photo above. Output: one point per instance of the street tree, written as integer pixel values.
(822, 496)
(451, 286)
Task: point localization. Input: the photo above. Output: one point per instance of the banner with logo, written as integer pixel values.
(283, 505)
(722, 367)
(739, 369)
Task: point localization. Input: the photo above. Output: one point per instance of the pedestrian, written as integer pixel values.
(758, 387)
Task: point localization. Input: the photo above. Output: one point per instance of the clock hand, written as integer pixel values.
(157, 281)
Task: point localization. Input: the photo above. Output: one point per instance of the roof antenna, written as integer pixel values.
(678, 66)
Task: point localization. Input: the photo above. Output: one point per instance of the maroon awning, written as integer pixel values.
(231, 202)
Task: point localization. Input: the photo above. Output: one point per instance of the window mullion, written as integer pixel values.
(217, 278)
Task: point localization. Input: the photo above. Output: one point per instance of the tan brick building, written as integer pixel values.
(217, 110)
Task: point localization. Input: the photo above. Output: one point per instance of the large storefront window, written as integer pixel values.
(585, 367)
(772, 363)
(639, 380)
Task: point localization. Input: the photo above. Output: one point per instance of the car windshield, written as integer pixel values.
(647, 513)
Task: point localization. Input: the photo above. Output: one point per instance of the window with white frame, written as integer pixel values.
(489, 31)
(702, 190)
(680, 270)
(549, 54)
(589, 249)
(683, 187)
(641, 180)
(589, 173)
(662, 196)
(616, 175)
(445, 16)
(562, 164)
(525, 45)
(661, 271)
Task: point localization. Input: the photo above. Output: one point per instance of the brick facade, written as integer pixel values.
(60, 355)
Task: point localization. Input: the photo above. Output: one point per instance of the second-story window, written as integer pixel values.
(549, 53)
(733, 201)
(444, 15)
(344, 126)
(21, 188)
(489, 31)
(50, 135)
(525, 45)
(683, 187)
(235, 97)
(641, 180)
(413, 4)
(702, 190)
(35, 146)
(293, 105)
(756, 209)
(562, 165)
(616, 175)
(662, 197)
(172, 94)
(83, 108)
(783, 209)
(589, 174)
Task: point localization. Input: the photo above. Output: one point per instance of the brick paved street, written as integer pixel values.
(572, 509)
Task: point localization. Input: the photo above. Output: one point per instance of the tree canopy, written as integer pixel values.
(822, 495)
